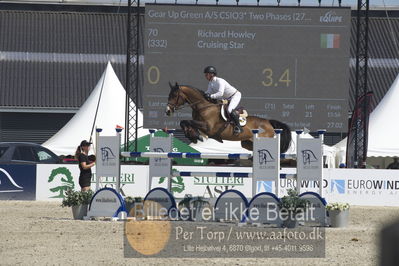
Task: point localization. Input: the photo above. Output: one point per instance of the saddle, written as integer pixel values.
(241, 111)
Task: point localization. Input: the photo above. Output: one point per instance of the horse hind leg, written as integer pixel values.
(247, 144)
(266, 131)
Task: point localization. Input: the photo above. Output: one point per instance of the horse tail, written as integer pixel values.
(285, 139)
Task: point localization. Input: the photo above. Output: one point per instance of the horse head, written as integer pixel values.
(175, 99)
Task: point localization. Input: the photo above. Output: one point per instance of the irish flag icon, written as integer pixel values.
(329, 40)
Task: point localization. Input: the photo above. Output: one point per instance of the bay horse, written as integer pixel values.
(207, 120)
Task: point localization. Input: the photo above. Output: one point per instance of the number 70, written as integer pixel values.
(153, 32)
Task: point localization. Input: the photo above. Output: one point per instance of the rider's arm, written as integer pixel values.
(210, 89)
(85, 164)
(220, 86)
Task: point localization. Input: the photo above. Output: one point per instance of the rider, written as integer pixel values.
(220, 89)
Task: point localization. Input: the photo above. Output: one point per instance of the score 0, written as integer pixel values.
(153, 75)
(271, 80)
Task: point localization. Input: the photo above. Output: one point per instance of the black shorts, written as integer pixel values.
(84, 181)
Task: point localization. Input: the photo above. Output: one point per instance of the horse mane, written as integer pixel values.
(196, 89)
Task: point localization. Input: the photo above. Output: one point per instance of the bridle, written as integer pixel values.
(175, 106)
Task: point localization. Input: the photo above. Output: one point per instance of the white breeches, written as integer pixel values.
(235, 100)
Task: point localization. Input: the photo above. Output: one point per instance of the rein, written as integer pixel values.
(209, 105)
(175, 107)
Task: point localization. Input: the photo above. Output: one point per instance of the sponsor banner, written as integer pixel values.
(266, 163)
(210, 187)
(54, 179)
(134, 181)
(17, 182)
(160, 166)
(108, 148)
(363, 186)
(105, 203)
(309, 158)
(355, 186)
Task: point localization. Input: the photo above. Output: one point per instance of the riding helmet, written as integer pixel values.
(210, 69)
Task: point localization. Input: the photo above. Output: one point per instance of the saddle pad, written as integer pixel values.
(243, 115)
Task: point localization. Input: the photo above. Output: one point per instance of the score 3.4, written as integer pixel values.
(271, 79)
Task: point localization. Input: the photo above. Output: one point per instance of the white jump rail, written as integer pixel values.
(187, 155)
(259, 176)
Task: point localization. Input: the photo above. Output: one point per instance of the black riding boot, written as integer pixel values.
(237, 127)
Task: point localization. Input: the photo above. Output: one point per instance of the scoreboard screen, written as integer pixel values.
(289, 63)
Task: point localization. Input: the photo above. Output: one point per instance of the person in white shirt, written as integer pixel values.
(220, 89)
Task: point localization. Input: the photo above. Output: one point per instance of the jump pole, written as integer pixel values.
(266, 165)
(266, 160)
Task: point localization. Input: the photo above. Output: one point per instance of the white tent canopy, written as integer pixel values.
(110, 113)
(383, 128)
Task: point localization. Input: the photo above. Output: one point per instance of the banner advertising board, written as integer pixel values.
(17, 182)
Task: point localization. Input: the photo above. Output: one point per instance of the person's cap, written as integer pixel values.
(85, 143)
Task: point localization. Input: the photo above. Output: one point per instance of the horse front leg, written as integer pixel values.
(202, 128)
(200, 125)
(190, 131)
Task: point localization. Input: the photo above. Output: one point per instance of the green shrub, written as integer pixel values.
(129, 199)
(293, 203)
(337, 206)
(85, 196)
(75, 198)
